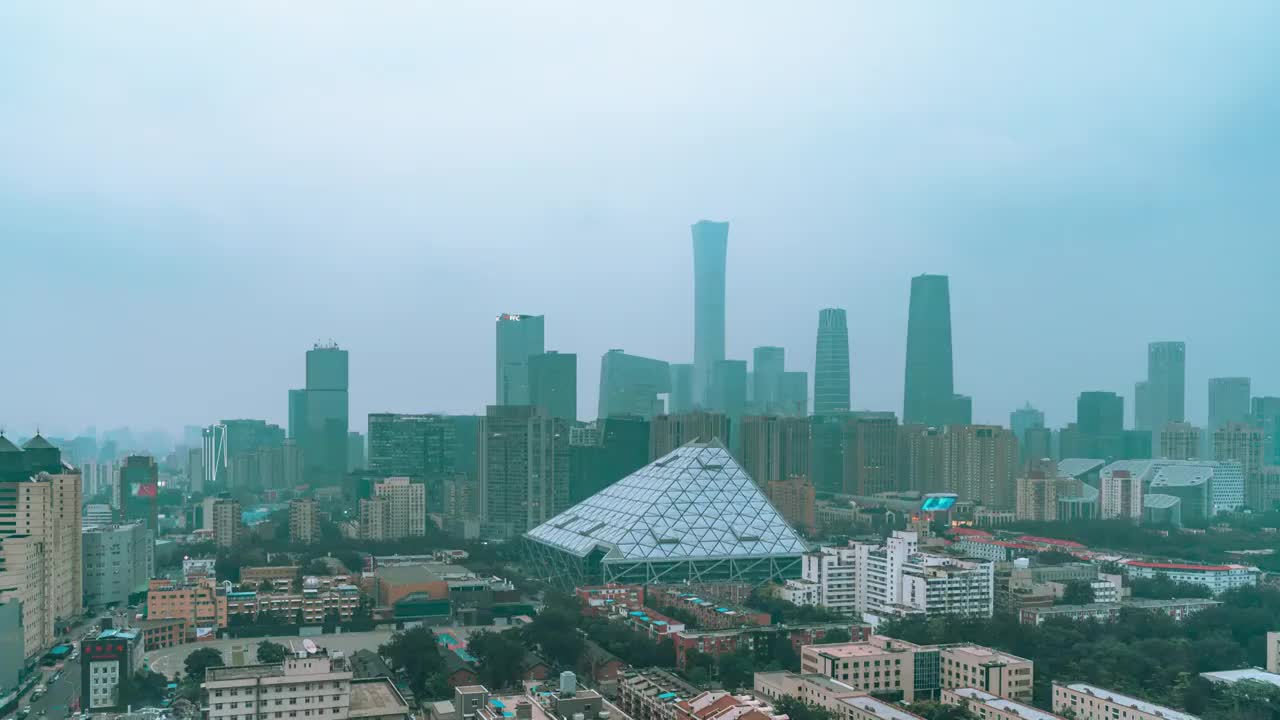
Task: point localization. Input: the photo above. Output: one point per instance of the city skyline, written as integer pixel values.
(224, 240)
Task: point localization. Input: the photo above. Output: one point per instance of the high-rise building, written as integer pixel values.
(668, 432)
(1228, 402)
(978, 463)
(355, 451)
(774, 448)
(923, 450)
(831, 392)
(872, 453)
(681, 398)
(1142, 406)
(553, 384)
(1265, 414)
(768, 365)
(40, 543)
(794, 497)
(420, 447)
(632, 385)
(1120, 495)
(1180, 441)
(304, 521)
(524, 470)
(138, 487)
(398, 509)
(929, 396)
(1166, 387)
(117, 562)
(795, 394)
(826, 460)
(1099, 428)
(225, 521)
(728, 393)
(1242, 443)
(519, 337)
(319, 416)
(215, 458)
(1020, 421)
(710, 248)
(604, 452)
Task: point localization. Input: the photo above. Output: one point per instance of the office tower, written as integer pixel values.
(681, 398)
(1228, 402)
(518, 338)
(304, 521)
(826, 459)
(1166, 387)
(355, 451)
(466, 428)
(774, 448)
(1120, 495)
(118, 561)
(1265, 414)
(195, 469)
(215, 458)
(872, 453)
(728, 394)
(1180, 441)
(318, 416)
(524, 470)
(1142, 406)
(1020, 421)
(419, 447)
(1037, 496)
(831, 364)
(553, 384)
(1039, 445)
(632, 385)
(668, 432)
(224, 519)
(921, 459)
(710, 246)
(139, 485)
(40, 544)
(1137, 445)
(768, 365)
(978, 463)
(1099, 428)
(1242, 443)
(398, 509)
(794, 497)
(604, 452)
(795, 394)
(929, 396)
(247, 436)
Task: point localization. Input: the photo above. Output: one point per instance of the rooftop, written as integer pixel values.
(1182, 566)
(1182, 476)
(1131, 702)
(879, 708)
(242, 672)
(1004, 704)
(1231, 676)
(985, 654)
(374, 697)
(853, 650)
(1075, 467)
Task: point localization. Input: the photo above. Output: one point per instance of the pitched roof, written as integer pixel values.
(694, 502)
(38, 443)
(7, 446)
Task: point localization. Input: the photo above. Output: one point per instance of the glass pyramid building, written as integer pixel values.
(693, 514)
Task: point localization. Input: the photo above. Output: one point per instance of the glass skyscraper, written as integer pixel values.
(518, 338)
(710, 246)
(319, 416)
(553, 384)
(1165, 393)
(768, 366)
(831, 364)
(631, 384)
(929, 392)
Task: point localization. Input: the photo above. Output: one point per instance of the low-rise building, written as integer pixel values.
(758, 640)
(1218, 578)
(652, 694)
(993, 707)
(598, 599)
(106, 660)
(1231, 677)
(324, 685)
(1090, 702)
(709, 615)
(202, 603)
(279, 577)
(164, 632)
(1177, 609)
(311, 606)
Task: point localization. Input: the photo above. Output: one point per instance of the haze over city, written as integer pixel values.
(191, 197)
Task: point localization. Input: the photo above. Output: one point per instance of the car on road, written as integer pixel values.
(37, 693)
(25, 711)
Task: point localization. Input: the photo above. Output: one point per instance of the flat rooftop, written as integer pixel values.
(242, 672)
(985, 654)
(853, 650)
(879, 708)
(374, 697)
(1026, 712)
(1131, 702)
(1230, 676)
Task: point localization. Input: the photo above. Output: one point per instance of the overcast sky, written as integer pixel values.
(192, 194)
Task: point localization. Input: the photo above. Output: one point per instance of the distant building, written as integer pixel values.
(979, 462)
(519, 337)
(1099, 427)
(831, 381)
(118, 562)
(1265, 414)
(1229, 402)
(1180, 441)
(355, 452)
(524, 471)
(419, 446)
(1165, 391)
(224, 514)
(768, 365)
(794, 498)
(872, 453)
(304, 521)
(1021, 421)
(632, 385)
(138, 487)
(1090, 702)
(398, 509)
(710, 248)
(319, 416)
(680, 400)
(1121, 495)
(1177, 609)
(553, 384)
(1242, 443)
(1273, 652)
(1218, 578)
(774, 448)
(202, 603)
(728, 393)
(993, 707)
(668, 432)
(929, 393)
(604, 452)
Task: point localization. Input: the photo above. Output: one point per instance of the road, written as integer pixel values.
(169, 661)
(56, 703)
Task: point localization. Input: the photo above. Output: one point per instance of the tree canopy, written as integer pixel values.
(200, 660)
(501, 657)
(416, 653)
(270, 653)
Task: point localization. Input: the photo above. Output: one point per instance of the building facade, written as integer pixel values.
(118, 562)
(929, 391)
(553, 384)
(710, 249)
(831, 379)
(304, 521)
(668, 432)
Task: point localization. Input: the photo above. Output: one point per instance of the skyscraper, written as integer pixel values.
(524, 470)
(831, 364)
(518, 338)
(668, 432)
(872, 453)
(420, 447)
(1180, 441)
(1099, 428)
(929, 396)
(553, 384)
(681, 398)
(320, 412)
(768, 366)
(774, 448)
(630, 385)
(1265, 412)
(139, 486)
(795, 394)
(1228, 402)
(710, 246)
(1020, 421)
(1166, 388)
(728, 394)
(1243, 443)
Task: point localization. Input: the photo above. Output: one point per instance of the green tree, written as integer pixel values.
(799, 709)
(1077, 592)
(501, 656)
(554, 633)
(143, 689)
(933, 710)
(200, 660)
(839, 635)
(270, 653)
(415, 653)
(735, 670)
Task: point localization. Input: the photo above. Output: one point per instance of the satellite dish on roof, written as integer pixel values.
(310, 647)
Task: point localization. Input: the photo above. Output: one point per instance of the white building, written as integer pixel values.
(1090, 702)
(398, 509)
(1218, 578)
(895, 580)
(118, 561)
(1225, 480)
(1120, 494)
(312, 684)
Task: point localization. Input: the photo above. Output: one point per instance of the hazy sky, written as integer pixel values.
(191, 194)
